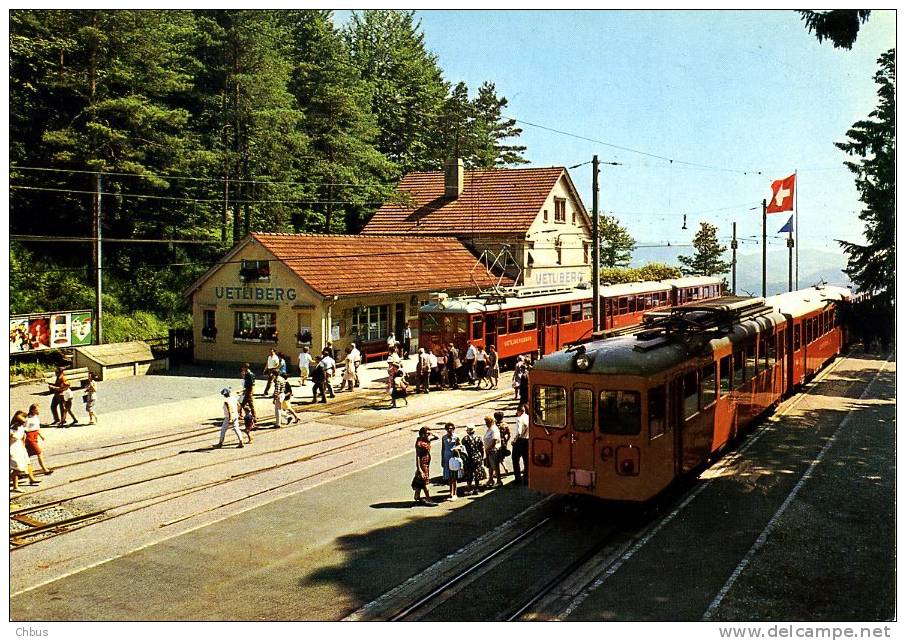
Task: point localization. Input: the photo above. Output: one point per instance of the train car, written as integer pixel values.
(529, 320)
(622, 418)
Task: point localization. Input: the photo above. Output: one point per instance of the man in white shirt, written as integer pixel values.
(407, 340)
(304, 364)
(271, 368)
(470, 362)
(491, 441)
(391, 343)
(230, 416)
(432, 363)
(330, 368)
(356, 356)
(520, 445)
(424, 371)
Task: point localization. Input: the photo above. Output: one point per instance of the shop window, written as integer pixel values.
(303, 334)
(690, 394)
(726, 376)
(529, 319)
(477, 327)
(583, 410)
(657, 411)
(208, 325)
(559, 210)
(515, 322)
(370, 323)
(620, 412)
(256, 327)
(709, 384)
(254, 271)
(549, 406)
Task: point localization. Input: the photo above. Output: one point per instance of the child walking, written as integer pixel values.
(248, 419)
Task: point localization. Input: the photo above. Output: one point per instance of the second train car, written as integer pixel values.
(624, 417)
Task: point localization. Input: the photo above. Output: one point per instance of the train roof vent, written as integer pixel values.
(527, 292)
(717, 315)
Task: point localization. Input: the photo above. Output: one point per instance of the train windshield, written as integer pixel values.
(620, 412)
(549, 405)
(430, 323)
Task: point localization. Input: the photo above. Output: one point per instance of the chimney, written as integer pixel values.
(453, 178)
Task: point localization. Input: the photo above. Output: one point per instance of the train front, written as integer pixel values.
(597, 423)
(450, 320)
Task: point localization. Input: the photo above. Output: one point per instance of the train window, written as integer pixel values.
(477, 327)
(623, 305)
(739, 373)
(448, 323)
(462, 324)
(751, 362)
(528, 319)
(763, 352)
(657, 411)
(549, 406)
(515, 322)
(690, 394)
(501, 323)
(552, 315)
(608, 305)
(583, 410)
(430, 323)
(797, 337)
(576, 311)
(726, 376)
(781, 345)
(771, 357)
(632, 305)
(564, 313)
(708, 376)
(586, 311)
(620, 412)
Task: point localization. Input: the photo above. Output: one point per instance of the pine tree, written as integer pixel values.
(616, 245)
(872, 142)
(492, 129)
(840, 26)
(707, 258)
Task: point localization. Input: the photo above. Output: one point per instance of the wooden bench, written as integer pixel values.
(72, 375)
(374, 349)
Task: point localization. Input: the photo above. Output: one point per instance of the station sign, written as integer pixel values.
(50, 330)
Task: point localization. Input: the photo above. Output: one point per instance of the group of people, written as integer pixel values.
(63, 395)
(446, 368)
(24, 442)
(472, 458)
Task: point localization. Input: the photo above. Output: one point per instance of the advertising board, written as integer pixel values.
(52, 330)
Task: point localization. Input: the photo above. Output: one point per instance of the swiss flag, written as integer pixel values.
(782, 197)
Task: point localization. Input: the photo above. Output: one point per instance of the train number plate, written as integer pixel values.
(582, 478)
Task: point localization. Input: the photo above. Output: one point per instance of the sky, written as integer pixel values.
(752, 95)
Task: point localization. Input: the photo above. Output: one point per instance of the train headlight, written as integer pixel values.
(583, 362)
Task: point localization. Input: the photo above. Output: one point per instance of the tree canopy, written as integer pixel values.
(707, 258)
(616, 245)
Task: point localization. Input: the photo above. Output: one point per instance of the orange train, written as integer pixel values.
(622, 418)
(527, 320)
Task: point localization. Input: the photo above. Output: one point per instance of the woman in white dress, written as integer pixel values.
(18, 456)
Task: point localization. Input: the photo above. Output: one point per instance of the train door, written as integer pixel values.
(582, 438)
(542, 330)
(490, 330)
(552, 329)
(675, 421)
(659, 470)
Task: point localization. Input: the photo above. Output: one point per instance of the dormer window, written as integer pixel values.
(254, 270)
(559, 210)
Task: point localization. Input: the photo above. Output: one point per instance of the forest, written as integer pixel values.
(198, 126)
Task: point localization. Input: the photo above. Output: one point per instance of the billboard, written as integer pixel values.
(52, 330)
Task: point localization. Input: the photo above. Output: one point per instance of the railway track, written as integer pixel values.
(58, 528)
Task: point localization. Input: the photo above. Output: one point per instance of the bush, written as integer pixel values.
(133, 327)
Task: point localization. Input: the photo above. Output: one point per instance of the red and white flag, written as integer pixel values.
(782, 196)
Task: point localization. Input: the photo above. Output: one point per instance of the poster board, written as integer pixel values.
(50, 330)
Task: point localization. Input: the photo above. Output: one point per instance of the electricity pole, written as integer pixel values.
(734, 245)
(98, 289)
(764, 248)
(595, 250)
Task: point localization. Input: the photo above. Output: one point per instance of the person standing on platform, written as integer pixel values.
(446, 449)
(318, 376)
(282, 370)
(230, 416)
(330, 368)
(481, 361)
(519, 371)
(19, 462)
(391, 344)
(424, 371)
(455, 465)
(348, 380)
(503, 451)
(520, 446)
(271, 368)
(90, 398)
(432, 364)
(407, 340)
(491, 440)
(279, 386)
(356, 357)
(33, 435)
(422, 464)
(523, 386)
(493, 367)
(473, 462)
(56, 403)
(454, 365)
(248, 387)
(249, 421)
(304, 365)
(67, 405)
(470, 362)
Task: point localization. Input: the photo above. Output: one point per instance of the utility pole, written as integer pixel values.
(98, 289)
(789, 244)
(595, 250)
(764, 248)
(734, 245)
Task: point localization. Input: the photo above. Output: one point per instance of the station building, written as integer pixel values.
(289, 290)
(535, 214)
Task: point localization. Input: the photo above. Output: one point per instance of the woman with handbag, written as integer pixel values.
(422, 465)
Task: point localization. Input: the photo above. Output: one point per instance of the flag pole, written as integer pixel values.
(764, 248)
(789, 243)
(796, 222)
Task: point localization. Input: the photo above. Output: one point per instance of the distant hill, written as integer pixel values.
(814, 266)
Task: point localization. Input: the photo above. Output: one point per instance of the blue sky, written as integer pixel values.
(739, 91)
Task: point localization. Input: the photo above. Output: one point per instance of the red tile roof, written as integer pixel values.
(349, 265)
(493, 201)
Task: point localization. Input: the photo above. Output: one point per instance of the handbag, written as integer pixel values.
(418, 481)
